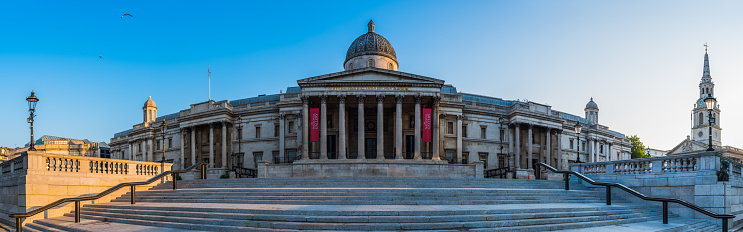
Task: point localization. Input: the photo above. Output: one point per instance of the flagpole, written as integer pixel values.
(210, 82)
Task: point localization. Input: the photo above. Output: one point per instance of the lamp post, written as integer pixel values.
(163, 129)
(501, 121)
(31, 108)
(578, 128)
(711, 102)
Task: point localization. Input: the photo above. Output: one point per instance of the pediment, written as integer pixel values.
(370, 76)
(687, 146)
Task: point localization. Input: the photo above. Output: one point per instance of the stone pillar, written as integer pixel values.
(305, 128)
(398, 127)
(323, 127)
(517, 157)
(362, 139)
(548, 145)
(183, 149)
(417, 142)
(530, 147)
(458, 157)
(211, 145)
(342, 127)
(193, 146)
(559, 149)
(435, 128)
(131, 151)
(589, 154)
(380, 127)
(281, 137)
(151, 148)
(224, 144)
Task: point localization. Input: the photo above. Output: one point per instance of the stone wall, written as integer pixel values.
(370, 168)
(36, 179)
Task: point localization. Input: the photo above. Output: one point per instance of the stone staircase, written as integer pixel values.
(368, 204)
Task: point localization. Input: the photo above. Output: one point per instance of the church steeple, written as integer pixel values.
(706, 63)
(700, 115)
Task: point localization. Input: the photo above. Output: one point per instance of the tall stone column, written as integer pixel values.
(417, 142)
(362, 140)
(549, 147)
(151, 146)
(517, 158)
(530, 146)
(559, 149)
(435, 128)
(398, 127)
(459, 138)
(131, 151)
(183, 149)
(380, 127)
(224, 144)
(305, 128)
(211, 145)
(589, 153)
(342, 127)
(193, 146)
(281, 137)
(323, 127)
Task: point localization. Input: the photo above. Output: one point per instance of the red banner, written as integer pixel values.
(426, 125)
(314, 124)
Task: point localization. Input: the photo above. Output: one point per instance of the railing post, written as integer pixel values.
(608, 195)
(175, 183)
(77, 211)
(724, 225)
(665, 212)
(566, 176)
(18, 225)
(203, 172)
(133, 193)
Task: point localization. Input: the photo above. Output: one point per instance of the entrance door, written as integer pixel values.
(409, 146)
(502, 160)
(332, 147)
(371, 148)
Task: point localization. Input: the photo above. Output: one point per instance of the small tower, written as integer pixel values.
(592, 112)
(700, 115)
(150, 111)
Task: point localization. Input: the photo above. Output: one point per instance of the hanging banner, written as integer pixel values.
(426, 125)
(314, 125)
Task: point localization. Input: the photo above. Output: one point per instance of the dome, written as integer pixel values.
(592, 105)
(149, 103)
(371, 44)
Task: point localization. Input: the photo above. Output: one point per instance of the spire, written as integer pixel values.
(706, 62)
(371, 26)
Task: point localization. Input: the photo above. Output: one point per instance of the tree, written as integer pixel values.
(638, 149)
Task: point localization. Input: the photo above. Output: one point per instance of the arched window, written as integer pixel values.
(370, 63)
(701, 118)
(350, 66)
(707, 92)
(389, 66)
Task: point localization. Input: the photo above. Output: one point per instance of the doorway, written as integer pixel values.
(332, 147)
(409, 146)
(371, 148)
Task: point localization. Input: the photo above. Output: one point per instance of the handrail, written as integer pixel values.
(19, 216)
(665, 201)
(501, 172)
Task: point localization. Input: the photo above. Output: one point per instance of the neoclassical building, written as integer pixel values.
(370, 113)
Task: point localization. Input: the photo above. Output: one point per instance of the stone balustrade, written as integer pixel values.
(654, 165)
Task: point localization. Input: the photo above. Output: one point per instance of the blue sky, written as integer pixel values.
(640, 60)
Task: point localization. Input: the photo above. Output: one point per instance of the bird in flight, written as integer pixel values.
(100, 56)
(127, 14)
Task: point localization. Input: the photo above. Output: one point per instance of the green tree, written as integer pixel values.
(638, 149)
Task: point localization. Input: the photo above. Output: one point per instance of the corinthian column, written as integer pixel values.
(549, 147)
(398, 127)
(224, 145)
(362, 140)
(417, 142)
(211, 145)
(183, 149)
(193, 145)
(323, 127)
(435, 128)
(517, 158)
(305, 128)
(459, 138)
(380, 127)
(342, 127)
(529, 148)
(281, 137)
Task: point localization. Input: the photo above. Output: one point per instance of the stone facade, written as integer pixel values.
(371, 113)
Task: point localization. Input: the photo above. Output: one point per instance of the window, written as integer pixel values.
(465, 157)
(350, 66)
(258, 156)
(484, 158)
(571, 144)
(701, 118)
(289, 155)
(450, 128)
(601, 148)
(257, 132)
(170, 142)
(291, 128)
(330, 122)
(583, 145)
(450, 156)
(370, 63)
(389, 66)
(276, 157)
(157, 145)
(483, 132)
(464, 131)
(411, 122)
(276, 131)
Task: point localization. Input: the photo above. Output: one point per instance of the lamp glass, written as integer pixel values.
(578, 128)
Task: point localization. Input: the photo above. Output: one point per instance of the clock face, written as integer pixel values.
(700, 134)
(701, 103)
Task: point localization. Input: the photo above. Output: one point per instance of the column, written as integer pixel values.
(417, 142)
(305, 128)
(380, 127)
(211, 145)
(342, 127)
(183, 150)
(458, 157)
(151, 146)
(530, 147)
(131, 151)
(281, 137)
(611, 154)
(193, 146)
(362, 140)
(589, 154)
(435, 128)
(517, 158)
(398, 127)
(549, 147)
(323, 127)
(224, 144)
(559, 149)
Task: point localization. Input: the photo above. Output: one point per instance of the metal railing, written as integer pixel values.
(608, 186)
(498, 172)
(77, 200)
(246, 172)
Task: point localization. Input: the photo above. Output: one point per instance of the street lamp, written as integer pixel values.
(578, 128)
(31, 108)
(163, 128)
(711, 102)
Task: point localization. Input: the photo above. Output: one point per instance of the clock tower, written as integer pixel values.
(700, 115)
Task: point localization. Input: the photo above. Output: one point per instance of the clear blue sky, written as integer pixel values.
(640, 60)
